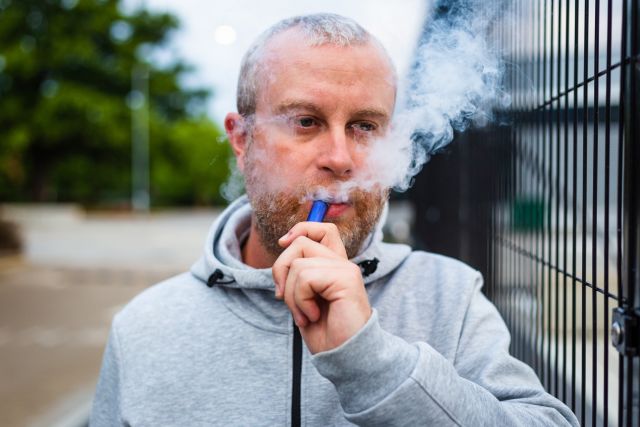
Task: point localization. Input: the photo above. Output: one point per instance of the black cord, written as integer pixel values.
(215, 277)
(368, 266)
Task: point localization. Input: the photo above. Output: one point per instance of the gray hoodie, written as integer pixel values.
(214, 347)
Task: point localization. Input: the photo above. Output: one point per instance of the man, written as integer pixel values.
(389, 336)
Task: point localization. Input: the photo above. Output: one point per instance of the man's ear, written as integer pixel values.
(235, 126)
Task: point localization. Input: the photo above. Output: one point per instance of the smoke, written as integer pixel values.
(233, 187)
(456, 83)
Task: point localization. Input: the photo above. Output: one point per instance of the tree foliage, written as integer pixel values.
(66, 107)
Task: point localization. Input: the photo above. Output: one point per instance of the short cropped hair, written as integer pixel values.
(317, 29)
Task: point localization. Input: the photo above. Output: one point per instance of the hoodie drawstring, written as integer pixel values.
(368, 266)
(215, 277)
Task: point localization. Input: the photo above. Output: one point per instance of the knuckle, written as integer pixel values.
(297, 264)
(332, 227)
(304, 276)
(299, 241)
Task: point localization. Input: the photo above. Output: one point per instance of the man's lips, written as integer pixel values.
(337, 209)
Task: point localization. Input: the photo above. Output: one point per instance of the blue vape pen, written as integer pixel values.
(318, 211)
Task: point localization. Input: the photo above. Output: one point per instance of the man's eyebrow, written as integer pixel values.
(309, 106)
(372, 112)
(296, 105)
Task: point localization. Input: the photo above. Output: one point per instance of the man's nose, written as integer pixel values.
(336, 156)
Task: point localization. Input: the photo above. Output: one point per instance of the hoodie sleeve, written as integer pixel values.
(106, 402)
(383, 380)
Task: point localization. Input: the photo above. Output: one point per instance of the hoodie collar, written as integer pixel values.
(222, 257)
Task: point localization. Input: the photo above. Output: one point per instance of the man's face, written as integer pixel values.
(317, 111)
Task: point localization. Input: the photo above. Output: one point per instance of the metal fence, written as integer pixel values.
(548, 207)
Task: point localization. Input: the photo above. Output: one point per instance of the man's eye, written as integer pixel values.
(364, 127)
(306, 122)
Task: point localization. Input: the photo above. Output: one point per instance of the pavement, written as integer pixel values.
(57, 299)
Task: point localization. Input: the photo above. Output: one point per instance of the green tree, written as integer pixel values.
(65, 98)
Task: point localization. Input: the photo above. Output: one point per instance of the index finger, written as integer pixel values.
(302, 247)
(325, 233)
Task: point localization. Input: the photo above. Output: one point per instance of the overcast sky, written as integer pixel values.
(215, 34)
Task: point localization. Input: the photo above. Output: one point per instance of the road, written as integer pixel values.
(58, 298)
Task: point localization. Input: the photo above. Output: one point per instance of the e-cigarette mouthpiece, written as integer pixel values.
(318, 211)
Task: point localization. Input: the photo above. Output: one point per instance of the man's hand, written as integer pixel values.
(322, 288)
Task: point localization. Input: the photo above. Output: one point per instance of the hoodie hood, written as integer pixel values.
(221, 263)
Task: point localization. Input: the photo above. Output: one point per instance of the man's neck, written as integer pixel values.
(254, 253)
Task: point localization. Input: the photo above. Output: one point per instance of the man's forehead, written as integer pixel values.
(293, 44)
(300, 70)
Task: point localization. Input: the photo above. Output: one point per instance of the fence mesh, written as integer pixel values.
(547, 207)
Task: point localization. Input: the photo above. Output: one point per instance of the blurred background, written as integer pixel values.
(113, 164)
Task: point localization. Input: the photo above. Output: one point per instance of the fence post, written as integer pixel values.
(631, 227)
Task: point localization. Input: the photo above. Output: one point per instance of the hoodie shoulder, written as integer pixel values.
(441, 263)
(162, 301)
(440, 274)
